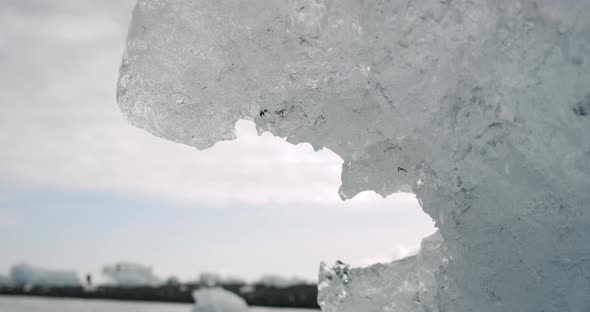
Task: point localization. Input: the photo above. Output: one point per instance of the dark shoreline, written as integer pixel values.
(298, 296)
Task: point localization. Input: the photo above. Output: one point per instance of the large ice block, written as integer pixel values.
(481, 108)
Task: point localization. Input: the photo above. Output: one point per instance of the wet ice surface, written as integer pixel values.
(410, 287)
(218, 300)
(480, 108)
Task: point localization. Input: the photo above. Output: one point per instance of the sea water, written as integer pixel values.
(33, 304)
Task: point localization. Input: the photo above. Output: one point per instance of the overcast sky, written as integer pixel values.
(80, 187)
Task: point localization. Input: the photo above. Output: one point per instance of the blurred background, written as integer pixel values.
(86, 200)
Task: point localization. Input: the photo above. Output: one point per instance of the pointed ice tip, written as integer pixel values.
(342, 194)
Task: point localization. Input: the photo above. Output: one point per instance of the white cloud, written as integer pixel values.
(59, 117)
(60, 127)
(400, 252)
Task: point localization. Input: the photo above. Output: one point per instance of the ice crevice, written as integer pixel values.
(481, 108)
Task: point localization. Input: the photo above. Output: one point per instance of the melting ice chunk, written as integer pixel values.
(404, 285)
(452, 92)
(218, 300)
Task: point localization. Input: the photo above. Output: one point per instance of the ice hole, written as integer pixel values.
(361, 231)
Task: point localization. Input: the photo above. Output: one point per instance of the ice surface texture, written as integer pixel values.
(218, 300)
(406, 285)
(481, 108)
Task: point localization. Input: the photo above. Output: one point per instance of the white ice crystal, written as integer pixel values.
(218, 300)
(481, 108)
(410, 287)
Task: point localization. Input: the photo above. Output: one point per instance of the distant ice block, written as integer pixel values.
(5, 281)
(26, 274)
(131, 274)
(279, 281)
(218, 300)
(213, 279)
(480, 108)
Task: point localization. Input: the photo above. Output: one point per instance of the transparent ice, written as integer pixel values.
(481, 108)
(410, 286)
